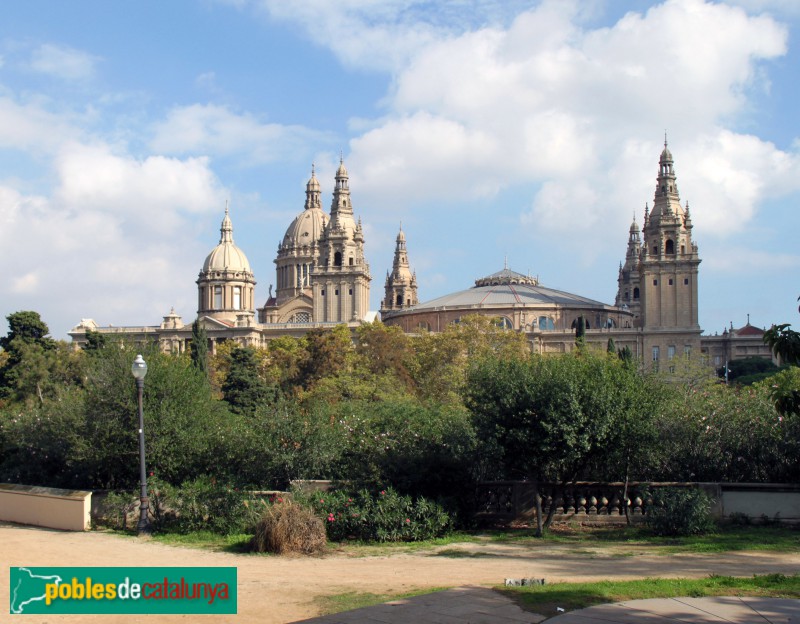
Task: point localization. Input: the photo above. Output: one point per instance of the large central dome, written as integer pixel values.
(307, 227)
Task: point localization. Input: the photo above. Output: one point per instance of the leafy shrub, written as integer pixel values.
(115, 509)
(288, 527)
(384, 517)
(680, 511)
(204, 504)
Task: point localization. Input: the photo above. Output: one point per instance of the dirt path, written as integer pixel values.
(278, 589)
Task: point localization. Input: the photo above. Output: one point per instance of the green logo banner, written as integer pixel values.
(123, 590)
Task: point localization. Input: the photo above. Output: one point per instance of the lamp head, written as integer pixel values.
(139, 368)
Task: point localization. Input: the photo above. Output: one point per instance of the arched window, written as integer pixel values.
(546, 323)
(337, 259)
(502, 322)
(670, 249)
(399, 299)
(635, 293)
(351, 261)
(610, 322)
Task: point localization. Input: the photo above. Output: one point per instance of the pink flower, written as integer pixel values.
(321, 500)
(280, 500)
(383, 492)
(330, 517)
(408, 520)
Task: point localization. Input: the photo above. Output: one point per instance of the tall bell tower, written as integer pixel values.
(668, 272)
(340, 282)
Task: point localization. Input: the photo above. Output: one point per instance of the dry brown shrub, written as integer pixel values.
(288, 527)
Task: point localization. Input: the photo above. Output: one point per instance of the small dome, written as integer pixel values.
(226, 256)
(341, 172)
(634, 227)
(313, 183)
(401, 236)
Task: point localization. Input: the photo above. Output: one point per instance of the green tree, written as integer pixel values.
(94, 341)
(442, 359)
(35, 366)
(87, 437)
(611, 347)
(549, 418)
(199, 347)
(244, 390)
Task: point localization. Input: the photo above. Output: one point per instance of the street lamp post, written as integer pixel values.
(139, 370)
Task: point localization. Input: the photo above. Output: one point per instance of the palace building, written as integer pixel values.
(323, 279)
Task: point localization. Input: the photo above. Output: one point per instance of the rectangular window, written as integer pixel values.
(655, 282)
(686, 282)
(656, 354)
(237, 297)
(717, 360)
(670, 352)
(670, 282)
(217, 297)
(687, 350)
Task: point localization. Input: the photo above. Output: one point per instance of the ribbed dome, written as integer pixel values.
(306, 228)
(226, 256)
(342, 170)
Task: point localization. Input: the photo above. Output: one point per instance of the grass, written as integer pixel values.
(588, 541)
(206, 540)
(348, 601)
(724, 539)
(547, 599)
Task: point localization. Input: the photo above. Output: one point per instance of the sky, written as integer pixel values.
(495, 131)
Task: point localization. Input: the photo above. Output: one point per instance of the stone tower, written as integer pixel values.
(629, 282)
(340, 282)
(658, 280)
(401, 283)
(226, 283)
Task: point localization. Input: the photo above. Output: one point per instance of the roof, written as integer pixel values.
(508, 288)
(749, 330)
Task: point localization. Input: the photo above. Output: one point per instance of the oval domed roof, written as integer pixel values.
(226, 256)
(508, 288)
(306, 228)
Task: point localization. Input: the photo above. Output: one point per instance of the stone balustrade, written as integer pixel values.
(504, 502)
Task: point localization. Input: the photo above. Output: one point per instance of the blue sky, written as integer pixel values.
(494, 129)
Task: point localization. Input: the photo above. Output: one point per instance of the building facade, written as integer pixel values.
(323, 279)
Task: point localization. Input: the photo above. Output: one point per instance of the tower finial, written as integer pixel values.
(226, 206)
(313, 169)
(665, 138)
(505, 262)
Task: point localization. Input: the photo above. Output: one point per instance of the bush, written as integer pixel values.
(115, 509)
(288, 527)
(203, 504)
(385, 517)
(680, 511)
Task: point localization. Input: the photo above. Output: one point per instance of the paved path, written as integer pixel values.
(477, 605)
(276, 590)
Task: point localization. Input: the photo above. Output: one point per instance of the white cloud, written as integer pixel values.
(750, 262)
(116, 238)
(212, 129)
(30, 127)
(386, 35)
(63, 62)
(577, 112)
